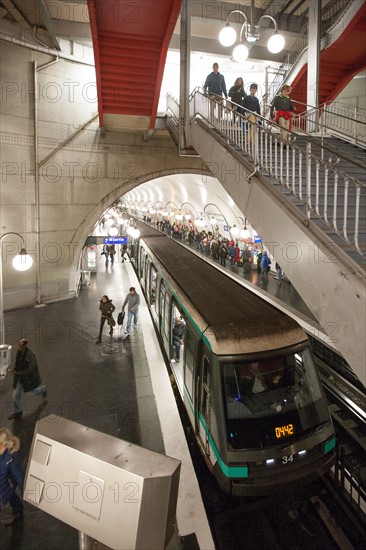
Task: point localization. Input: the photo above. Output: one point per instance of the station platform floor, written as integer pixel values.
(120, 387)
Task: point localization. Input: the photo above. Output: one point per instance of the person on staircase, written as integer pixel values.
(281, 112)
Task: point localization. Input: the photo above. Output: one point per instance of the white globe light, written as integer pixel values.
(188, 216)
(22, 261)
(164, 213)
(152, 210)
(135, 233)
(234, 230)
(213, 220)
(276, 43)
(179, 217)
(120, 221)
(227, 36)
(244, 233)
(240, 53)
(113, 231)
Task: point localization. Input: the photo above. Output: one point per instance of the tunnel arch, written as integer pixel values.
(78, 240)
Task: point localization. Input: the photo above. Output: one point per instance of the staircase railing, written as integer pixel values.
(333, 119)
(326, 192)
(331, 13)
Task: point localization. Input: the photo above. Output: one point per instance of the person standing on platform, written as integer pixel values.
(265, 267)
(279, 273)
(132, 301)
(112, 251)
(216, 87)
(26, 377)
(259, 260)
(11, 475)
(246, 260)
(281, 111)
(106, 309)
(105, 252)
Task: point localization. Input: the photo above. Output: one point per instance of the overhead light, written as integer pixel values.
(213, 220)
(227, 36)
(164, 213)
(144, 209)
(276, 43)
(152, 210)
(120, 221)
(234, 231)
(179, 217)
(22, 261)
(244, 233)
(188, 217)
(240, 53)
(113, 231)
(251, 32)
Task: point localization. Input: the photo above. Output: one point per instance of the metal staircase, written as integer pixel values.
(307, 202)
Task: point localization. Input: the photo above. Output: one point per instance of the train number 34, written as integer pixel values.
(287, 458)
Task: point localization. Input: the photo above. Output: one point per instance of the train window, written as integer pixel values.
(259, 394)
(153, 281)
(141, 261)
(189, 361)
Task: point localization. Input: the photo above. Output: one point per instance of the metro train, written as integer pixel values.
(246, 374)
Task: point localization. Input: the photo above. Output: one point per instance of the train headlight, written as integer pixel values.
(270, 461)
(301, 453)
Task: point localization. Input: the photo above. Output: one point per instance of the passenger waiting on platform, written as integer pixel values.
(259, 260)
(106, 308)
(247, 256)
(281, 111)
(223, 253)
(26, 377)
(279, 273)
(179, 330)
(265, 267)
(132, 301)
(11, 475)
(105, 252)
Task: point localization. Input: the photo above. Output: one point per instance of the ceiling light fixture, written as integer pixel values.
(227, 36)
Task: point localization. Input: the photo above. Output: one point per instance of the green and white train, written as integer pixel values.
(247, 377)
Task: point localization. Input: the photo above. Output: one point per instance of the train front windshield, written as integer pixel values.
(272, 401)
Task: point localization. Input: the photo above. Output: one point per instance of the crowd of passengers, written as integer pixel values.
(217, 247)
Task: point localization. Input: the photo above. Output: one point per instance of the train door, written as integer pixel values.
(204, 403)
(177, 345)
(162, 300)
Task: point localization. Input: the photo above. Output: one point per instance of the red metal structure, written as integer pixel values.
(339, 63)
(130, 42)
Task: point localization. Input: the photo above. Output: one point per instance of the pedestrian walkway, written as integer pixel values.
(116, 387)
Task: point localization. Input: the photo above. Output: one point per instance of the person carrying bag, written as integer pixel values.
(106, 308)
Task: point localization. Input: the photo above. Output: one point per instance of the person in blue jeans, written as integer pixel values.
(11, 475)
(26, 377)
(132, 301)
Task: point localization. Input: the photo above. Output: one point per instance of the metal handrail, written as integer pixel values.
(300, 45)
(327, 192)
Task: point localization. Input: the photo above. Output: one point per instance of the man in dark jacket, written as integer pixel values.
(26, 377)
(215, 86)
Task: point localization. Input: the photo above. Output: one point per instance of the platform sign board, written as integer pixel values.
(100, 239)
(115, 240)
(257, 239)
(117, 493)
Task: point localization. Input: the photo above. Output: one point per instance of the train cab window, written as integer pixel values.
(261, 394)
(152, 285)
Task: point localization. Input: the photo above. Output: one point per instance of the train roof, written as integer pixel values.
(234, 319)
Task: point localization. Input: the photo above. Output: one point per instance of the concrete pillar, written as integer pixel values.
(185, 67)
(313, 62)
